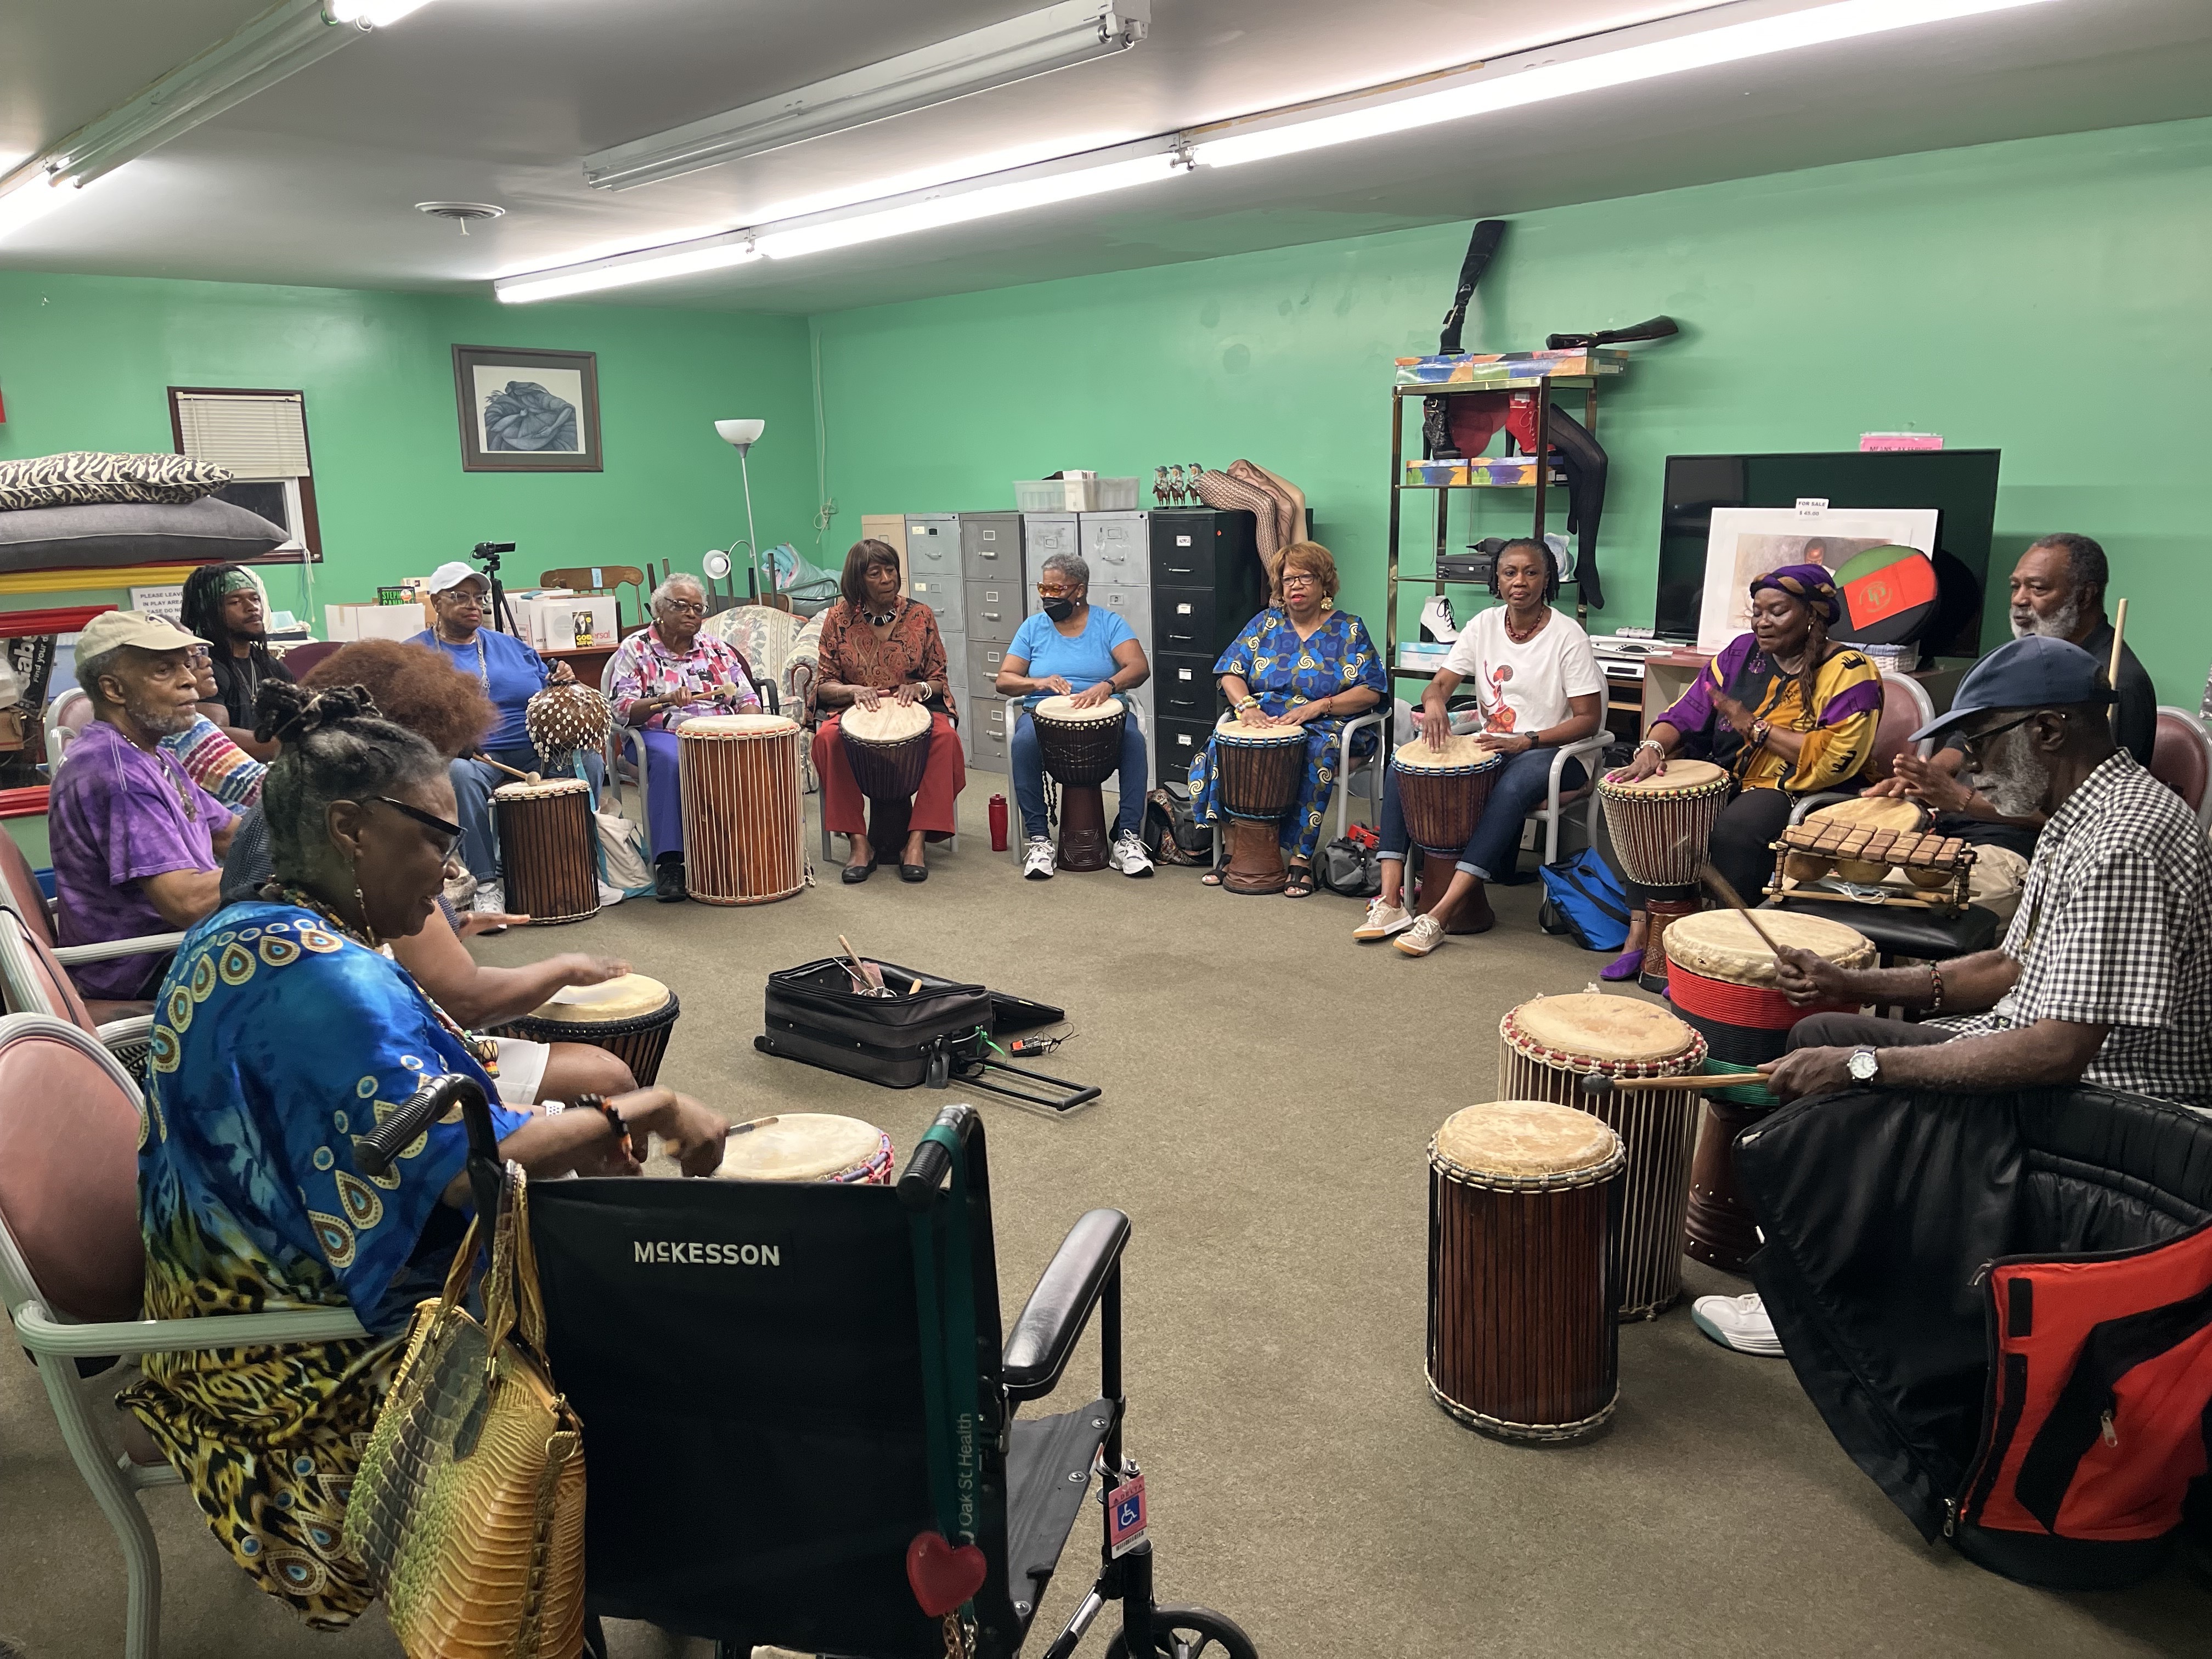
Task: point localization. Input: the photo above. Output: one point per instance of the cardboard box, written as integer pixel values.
(565, 622)
(373, 622)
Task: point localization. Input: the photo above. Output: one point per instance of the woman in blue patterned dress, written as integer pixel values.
(1300, 662)
(282, 1032)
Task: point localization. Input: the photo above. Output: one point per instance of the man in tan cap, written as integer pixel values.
(137, 846)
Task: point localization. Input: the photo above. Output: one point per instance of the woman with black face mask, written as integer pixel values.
(1070, 650)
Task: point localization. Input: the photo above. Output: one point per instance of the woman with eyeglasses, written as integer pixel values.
(1785, 710)
(663, 677)
(1300, 662)
(1070, 648)
(877, 647)
(281, 1032)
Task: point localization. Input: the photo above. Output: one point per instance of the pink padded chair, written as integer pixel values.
(72, 1271)
(20, 892)
(2181, 759)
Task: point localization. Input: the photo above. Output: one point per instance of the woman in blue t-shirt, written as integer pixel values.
(1071, 650)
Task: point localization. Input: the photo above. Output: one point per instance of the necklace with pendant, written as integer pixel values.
(1519, 638)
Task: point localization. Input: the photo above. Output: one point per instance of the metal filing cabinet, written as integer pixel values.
(1114, 546)
(1207, 584)
(991, 547)
(1133, 605)
(993, 610)
(1045, 534)
(932, 544)
(983, 659)
(947, 595)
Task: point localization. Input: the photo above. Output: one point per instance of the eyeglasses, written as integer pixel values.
(429, 821)
(1973, 748)
(1301, 580)
(1045, 592)
(684, 607)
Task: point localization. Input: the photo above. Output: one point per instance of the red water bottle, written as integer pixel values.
(998, 824)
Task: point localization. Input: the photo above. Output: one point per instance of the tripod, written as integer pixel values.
(487, 555)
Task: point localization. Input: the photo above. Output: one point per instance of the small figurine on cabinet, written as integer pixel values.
(1160, 496)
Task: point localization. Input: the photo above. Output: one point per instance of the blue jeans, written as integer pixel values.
(1028, 779)
(473, 783)
(1493, 849)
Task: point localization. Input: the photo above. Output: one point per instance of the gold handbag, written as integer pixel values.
(468, 1511)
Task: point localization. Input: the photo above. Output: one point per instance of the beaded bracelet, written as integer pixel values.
(599, 1103)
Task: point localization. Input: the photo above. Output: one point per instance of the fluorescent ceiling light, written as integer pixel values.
(1535, 77)
(377, 14)
(1035, 43)
(658, 265)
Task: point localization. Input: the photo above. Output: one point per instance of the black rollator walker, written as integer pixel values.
(800, 1422)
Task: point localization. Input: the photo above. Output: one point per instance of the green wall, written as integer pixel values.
(2044, 297)
(85, 362)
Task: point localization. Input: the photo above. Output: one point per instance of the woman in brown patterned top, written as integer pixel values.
(877, 648)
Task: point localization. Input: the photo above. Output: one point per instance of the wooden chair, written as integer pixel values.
(601, 579)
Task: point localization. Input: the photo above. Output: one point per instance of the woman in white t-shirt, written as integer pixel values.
(1538, 686)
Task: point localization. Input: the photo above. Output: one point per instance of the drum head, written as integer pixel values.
(1720, 944)
(1680, 775)
(887, 722)
(633, 996)
(1526, 1140)
(1064, 709)
(543, 787)
(1234, 728)
(737, 725)
(1462, 751)
(1873, 813)
(798, 1146)
(1594, 1027)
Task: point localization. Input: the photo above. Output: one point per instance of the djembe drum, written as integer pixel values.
(630, 1017)
(1722, 977)
(1443, 793)
(1660, 826)
(1524, 1206)
(1546, 1047)
(1719, 1228)
(1257, 770)
(744, 839)
(562, 719)
(549, 850)
(808, 1146)
(1081, 748)
(888, 747)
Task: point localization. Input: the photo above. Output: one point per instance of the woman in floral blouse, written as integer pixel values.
(876, 647)
(662, 678)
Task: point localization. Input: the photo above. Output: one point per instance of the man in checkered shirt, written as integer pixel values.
(2105, 976)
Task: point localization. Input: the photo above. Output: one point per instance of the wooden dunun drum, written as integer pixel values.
(1548, 1045)
(1719, 1228)
(1721, 977)
(631, 1018)
(887, 746)
(1659, 825)
(1081, 748)
(1258, 768)
(808, 1146)
(1524, 1206)
(549, 850)
(744, 839)
(1442, 791)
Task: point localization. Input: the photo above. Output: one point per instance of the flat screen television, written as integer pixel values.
(1961, 484)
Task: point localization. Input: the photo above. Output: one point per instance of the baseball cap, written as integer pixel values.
(113, 628)
(453, 574)
(2035, 673)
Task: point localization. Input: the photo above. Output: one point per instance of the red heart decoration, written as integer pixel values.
(941, 1576)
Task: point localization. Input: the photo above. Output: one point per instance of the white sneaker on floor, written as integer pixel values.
(1738, 1322)
(609, 894)
(1423, 937)
(1383, 919)
(489, 896)
(1039, 862)
(1128, 855)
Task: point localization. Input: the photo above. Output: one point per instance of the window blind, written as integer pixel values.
(254, 437)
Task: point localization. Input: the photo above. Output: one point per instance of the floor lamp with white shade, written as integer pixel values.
(742, 435)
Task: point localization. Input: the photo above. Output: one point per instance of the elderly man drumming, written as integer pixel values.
(663, 677)
(137, 846)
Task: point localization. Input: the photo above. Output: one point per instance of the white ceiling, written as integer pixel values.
(314, 181)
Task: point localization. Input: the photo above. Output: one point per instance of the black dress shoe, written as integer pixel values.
(668, 879)
(913, 872)
(856, 873)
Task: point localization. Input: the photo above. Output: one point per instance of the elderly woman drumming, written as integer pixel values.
(1300, 662)
(879, 651)
(250, 1197)
(663, 677)
(1072, 649)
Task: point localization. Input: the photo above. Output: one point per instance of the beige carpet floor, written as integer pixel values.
(1270, 1089)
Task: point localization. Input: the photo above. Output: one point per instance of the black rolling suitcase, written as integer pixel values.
(900, 1042)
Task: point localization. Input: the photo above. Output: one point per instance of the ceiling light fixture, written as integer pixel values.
(652, 265)
(998, 55)
(281, 41)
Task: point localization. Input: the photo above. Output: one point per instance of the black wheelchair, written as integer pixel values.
(784, 1388)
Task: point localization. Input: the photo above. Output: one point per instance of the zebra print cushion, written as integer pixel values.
(85, 477)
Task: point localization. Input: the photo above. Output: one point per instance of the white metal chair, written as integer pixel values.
(67, 715)
(33, 981)
(1367, 771)
(72, 1271)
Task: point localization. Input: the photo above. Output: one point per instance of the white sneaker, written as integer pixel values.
(1039, 862)
(1438, 625)
(489, 896)
(1128, 855)
(1383, 919)
(1423, 937)
(1738, 1322)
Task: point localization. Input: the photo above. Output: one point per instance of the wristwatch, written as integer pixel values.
(1863, 1066)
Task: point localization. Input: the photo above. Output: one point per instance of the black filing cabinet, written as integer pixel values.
(1206, 585)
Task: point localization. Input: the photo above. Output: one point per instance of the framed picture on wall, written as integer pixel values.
(1749, 541)
(528, 411)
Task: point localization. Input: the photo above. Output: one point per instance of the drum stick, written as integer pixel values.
(2113, 668)
(524, 777)
(1596, 1085)
(756, 1123)
(1728, 895)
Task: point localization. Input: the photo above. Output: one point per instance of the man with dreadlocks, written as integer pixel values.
(223, 605)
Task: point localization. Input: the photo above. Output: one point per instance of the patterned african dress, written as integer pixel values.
(1839, 728)
(1284, 672)
(275, 1041)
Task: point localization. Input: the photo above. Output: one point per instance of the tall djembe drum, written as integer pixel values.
(1081, 748)
(1660, 826)
(1443, 793)
(887, 748)
(1257, 770)
(745, 838)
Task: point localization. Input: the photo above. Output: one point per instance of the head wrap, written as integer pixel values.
(240, 581)
(1809, 582)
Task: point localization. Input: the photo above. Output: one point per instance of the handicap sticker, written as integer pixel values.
(1125, 1515)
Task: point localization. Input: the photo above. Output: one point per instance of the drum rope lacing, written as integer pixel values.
(1550, 1181)
(1683, 1064)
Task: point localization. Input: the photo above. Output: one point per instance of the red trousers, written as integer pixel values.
(844, 809)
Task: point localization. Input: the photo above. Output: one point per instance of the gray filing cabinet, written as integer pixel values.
(933, 576)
